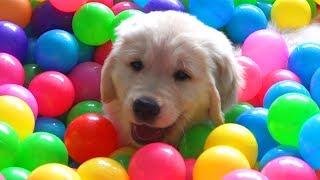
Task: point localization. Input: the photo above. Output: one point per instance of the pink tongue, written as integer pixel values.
(146, 134)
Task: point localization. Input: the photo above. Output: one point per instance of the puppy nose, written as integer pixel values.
(146, 109)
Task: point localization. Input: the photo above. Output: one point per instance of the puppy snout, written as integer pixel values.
(146, 109)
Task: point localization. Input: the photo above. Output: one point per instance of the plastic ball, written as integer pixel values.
(45, 17)
(253, 79)
(108, 3)
(268, 49)
(83, 108)
(86, 80)
(9, 145)
(163, 5)
(236, 136)
(67, 6)
(141, 3)
(16, 11)
(85, 52)
(245, 20)
(50, 125)
(102, 52)
(123, 156)
(192, 142)
(30, 71)
(89, 136)
(281, 88)
(218, 161)
(157, 161)
(13, 39)
(17, 114)
(57, 50)
(289, 14)
(255, 101)
(288, 168)
(313, 7)
(235, 111)
(315, 86)
(290, 110)
(210, 12)
(15, 173)
(54, 171)
(304, 61)
(100, 29)
(309, 145)
(102, 168)
(122, 6)
(189, 168)
(245, 174)
(54, 93)
(36, 3)
(30, 56)
(266, 8)
(11, 70)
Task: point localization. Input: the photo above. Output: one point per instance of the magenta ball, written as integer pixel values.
(22, 93)
(157, 161)
(288, 167)
(86, 80)
(11, 70)
(268, 49)
(122, 6)
(245, 174)
(189, 168)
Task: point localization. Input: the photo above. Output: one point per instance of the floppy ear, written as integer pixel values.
(107, 89)
(215, 111)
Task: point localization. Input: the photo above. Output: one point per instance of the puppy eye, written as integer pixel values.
(137, 65)
(181, 76)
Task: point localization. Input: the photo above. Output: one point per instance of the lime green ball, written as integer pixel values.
(193, 140)
(235, 111)
(92, 24)
(286, 116)
(123, 159)
(83, 108)
(186, 3)
(124, 15)
(313, 7)
(15, 173)
(41, 148)
(267, 1)
(239, 2)
(30, 71)
(9, 145)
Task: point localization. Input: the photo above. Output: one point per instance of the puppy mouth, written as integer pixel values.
(144, 134)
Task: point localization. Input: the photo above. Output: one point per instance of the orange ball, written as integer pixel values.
(16, 11)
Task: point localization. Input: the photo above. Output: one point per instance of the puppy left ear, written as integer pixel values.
(215, 112)
(107, 89)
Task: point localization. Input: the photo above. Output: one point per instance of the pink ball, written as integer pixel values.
(108, 3)
(268, 49)
(122, 6)
(2, 177)
(189, 168)
(157, 161)
(288, 167)
(22, 93)
(252, 77)
(245, 174)
(86, 80)
(67, 5)
(11, 70)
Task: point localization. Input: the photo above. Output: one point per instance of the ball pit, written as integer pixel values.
(10, 65)
(83, 108)
(16, 11)
(50, 125)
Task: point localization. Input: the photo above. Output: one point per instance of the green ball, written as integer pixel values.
(83, 108)
(313, 7)
(30, 71)
(15, 173)
(193, 140)
(120, 18)
(186, 3)
(239, 2)
(235, 111)
(286, 116)
(267, 1)
(9, 145)
(92, 24)
(123, 159)
(41, 148)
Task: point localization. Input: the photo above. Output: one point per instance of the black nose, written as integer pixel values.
(146, 109)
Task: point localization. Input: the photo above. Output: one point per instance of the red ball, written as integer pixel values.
(102, 52)
(90, 135)
(54, 93)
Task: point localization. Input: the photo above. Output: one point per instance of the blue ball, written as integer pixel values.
(278, 152)
(85, 52)
(266, 8)
(214, 13)
(256, 121)
(304, 61)
(309, 144)
(50, 125)
(140, 3)
(246, 19)
(281, 88)
(30, 58)
(57, 50)
(163, 5)
(315, 87)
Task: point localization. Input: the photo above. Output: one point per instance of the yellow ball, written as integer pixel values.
(317, 1)
(291, 14)
(102, 168)
(236, 136)
(54, 171)
(17, 114)
(216, 162)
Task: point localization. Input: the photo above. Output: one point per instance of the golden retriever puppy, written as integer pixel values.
(166, 72)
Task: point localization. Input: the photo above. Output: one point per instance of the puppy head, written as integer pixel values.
(166, 71)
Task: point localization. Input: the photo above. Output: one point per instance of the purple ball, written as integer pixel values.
(13, 40)
(45, 17)
(163, 5)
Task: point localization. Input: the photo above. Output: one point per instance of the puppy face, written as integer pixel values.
(161, 77)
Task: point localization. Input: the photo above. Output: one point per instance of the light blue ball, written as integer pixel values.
(309, 143)
(315, 87)
(50, 125)
(85, 52)
(246, 19)
(256, 121)
(57, 50)
(214, 13)
(304, 61)
(281, 88)
(266, 8)
(140, 3)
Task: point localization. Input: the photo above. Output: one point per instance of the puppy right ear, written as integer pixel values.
(107, 89)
